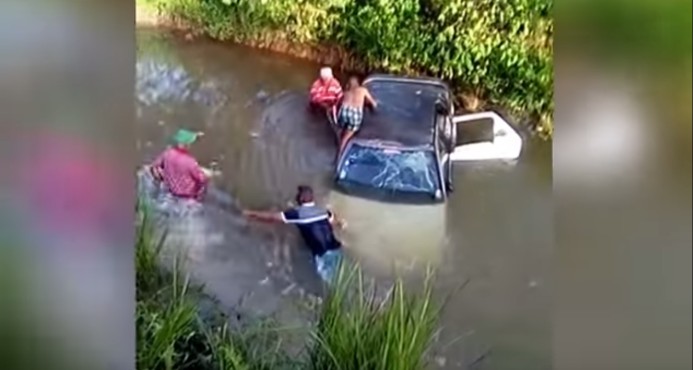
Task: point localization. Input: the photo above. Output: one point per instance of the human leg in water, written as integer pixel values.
(327, 265)
(350, 119)
(345, 136)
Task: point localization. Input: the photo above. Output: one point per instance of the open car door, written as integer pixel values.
(498, 141)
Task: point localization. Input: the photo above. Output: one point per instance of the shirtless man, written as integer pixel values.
(350, 114)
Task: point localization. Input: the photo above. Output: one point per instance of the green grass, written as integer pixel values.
(354, 328)
(358, 331)
(171, 331)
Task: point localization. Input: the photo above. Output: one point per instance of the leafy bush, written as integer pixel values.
(497, 51)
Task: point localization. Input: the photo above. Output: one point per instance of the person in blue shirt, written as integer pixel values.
(316, 227)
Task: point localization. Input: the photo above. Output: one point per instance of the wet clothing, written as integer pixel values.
(327, 264)
(325, 92)
(350, 118)
(314, 225)
(173, 206)
(157, 196)
(181, 173)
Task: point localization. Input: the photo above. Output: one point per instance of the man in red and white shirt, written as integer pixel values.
(326, 92)
(179, 170)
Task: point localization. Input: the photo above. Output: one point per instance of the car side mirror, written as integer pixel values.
(442, 107)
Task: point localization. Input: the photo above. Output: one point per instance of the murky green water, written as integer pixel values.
(494, 232)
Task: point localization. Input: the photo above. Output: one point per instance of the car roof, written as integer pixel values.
(405, 112)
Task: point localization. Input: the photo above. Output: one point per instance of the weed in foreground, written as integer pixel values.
(171, 333)
(357, 330)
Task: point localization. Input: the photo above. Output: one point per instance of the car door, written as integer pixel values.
(484, 136)
(443, 148)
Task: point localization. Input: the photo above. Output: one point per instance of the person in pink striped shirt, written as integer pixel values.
(326, 92)
(179, 171)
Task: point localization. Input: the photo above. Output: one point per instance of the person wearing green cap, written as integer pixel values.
(178, 170)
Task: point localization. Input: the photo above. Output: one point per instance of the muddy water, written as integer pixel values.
(494, 232)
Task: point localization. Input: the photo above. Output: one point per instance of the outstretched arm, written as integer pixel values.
(266, 216)
(369, 98)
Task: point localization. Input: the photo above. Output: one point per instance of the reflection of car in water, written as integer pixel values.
(407, 146)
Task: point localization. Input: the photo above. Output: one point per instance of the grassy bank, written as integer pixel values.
(352, 329)
(494, 53)
(173, 332)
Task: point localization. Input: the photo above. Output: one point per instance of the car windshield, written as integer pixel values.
(408, 171)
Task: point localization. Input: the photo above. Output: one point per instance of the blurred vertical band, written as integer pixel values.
(622, 185)
(66, 187)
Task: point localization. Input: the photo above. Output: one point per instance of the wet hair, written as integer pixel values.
(354, 81)
(304, 194)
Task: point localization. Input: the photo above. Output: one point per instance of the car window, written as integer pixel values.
(414, 171)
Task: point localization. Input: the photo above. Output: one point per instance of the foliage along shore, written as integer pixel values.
(494, 54)
(351, 330)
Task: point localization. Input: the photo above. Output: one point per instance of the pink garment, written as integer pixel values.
(325, 92)
(181, 173)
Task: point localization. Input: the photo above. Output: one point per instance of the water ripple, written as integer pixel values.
(159, 82)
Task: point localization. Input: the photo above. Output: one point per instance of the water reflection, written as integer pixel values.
(385, 236)
(159, 82)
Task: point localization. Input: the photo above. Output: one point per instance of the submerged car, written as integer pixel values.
(406, 147)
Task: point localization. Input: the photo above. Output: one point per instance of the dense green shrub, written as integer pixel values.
(498, 51)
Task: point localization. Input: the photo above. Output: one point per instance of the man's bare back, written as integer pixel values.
(356, 96)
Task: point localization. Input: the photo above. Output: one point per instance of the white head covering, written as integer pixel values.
(326, 73)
